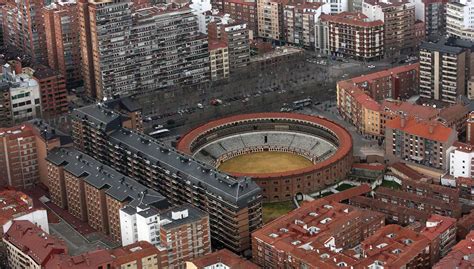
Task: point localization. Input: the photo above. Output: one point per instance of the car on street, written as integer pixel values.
(371, 66)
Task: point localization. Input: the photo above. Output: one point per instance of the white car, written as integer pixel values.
(200, 106)
(371, 66)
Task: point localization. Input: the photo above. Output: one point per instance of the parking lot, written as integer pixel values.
(262, 92)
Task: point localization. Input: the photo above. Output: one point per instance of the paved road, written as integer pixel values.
(362, 146)
(254, 92)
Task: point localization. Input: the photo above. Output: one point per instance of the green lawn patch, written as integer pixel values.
(272, 211)
(344, 187)
(390, 184)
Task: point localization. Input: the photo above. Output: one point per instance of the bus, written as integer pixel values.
(159, 133)
(302, 103)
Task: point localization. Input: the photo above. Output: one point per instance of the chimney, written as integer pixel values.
(431, 128)
(402, 121)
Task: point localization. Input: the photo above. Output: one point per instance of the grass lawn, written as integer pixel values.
(344, 187)
(390, 184)
(272, 211)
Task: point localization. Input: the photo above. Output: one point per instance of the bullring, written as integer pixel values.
(284, 153)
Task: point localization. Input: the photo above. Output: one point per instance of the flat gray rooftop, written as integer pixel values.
(117, 185)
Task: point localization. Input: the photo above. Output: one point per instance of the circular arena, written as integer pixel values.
(285, 153)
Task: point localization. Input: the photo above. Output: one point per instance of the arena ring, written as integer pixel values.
(257, 139)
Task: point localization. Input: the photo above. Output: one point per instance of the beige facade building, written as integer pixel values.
(399, 23)
(351, 34)
(445, 69)
(219, 60)
(270, 15)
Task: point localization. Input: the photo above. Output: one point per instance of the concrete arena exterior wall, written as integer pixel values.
(283, 186)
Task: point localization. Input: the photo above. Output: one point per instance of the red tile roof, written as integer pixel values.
(226, 257)
(12, 204)
(463, 147)
(34, 242)
(382, 245)
(367, 102)
(406, 170)
(351, 18)
(216, 44)
(323, 214)
(461, 256)
(436, 225)
(133, 252)
(386, 73)
(93, 259)
(398, 107)
(421, 128)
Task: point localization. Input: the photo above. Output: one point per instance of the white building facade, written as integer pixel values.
(139, 224)
(460, 19)
(202, 10)
(25, 96)
(461, 160)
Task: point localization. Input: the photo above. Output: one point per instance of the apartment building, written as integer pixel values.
(300, 22)
(311, 234)
(136, 52)
(180, 233)
(460, 256)
(21, 94)
(459, 19)
(421, 202)
(184, 232)
(444, 70)
(139, 224)
(61, 26)
(201, 9)
(396, 83)
(351, 34)
(235, 35)
(399, 21)
(417, 141)
(358, 98)
(53, 91)
(433, 15)
(460, 157)
(244, 11)
(234, 205)
(270, 19)
(16, 205)
(460, 169)
(140, 255)
(130, 111)
(465, 224)
(441, 231)
(94, 192)
(28, 246)
(223, 258)
(218, 60)
(22, 152)
(394, 246)
(23, 28)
